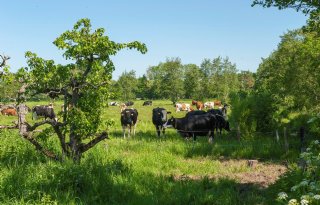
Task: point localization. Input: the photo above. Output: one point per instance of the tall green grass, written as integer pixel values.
(143, 169)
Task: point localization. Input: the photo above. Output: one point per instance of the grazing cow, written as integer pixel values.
(146, 103)
(113, 103)
(215, 111)
(222, 123)
(129, 119)
(194, 125)
(45, 111)
(9, 111)
(129, 103)
(221, 116)
(217, 103)
(199, 105)
(122, 107)
(159, 117)
(183, 107)
(208, 105)
(196, 112)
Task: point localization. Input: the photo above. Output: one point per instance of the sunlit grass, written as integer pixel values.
(143, 169)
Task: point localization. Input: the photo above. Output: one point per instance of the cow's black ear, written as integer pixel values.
(169, 112)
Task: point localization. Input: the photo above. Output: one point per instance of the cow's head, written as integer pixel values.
(127, 116)
(170, 123)
(160, 114)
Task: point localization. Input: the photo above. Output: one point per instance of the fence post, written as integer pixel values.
(277, 135)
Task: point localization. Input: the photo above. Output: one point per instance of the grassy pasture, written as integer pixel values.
(144, 169)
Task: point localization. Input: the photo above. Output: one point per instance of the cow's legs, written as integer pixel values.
(134, 129)
(130, 131)
(163, 130)
(158, 130)
(211, 136)
(124, 131)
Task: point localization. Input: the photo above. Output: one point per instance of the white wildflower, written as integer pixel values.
(308, 149)
(304, 183)
(316, 142)
(304, 202)
(282, 196)
(294, 188)
(293, 202)
(316, 197)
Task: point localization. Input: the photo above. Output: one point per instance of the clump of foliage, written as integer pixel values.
(306, 191)
(83, 84)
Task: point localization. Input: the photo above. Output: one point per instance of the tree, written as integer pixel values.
(3, 64)
(127, 85)
(220, 78)
(167, 79)
(311, 7)
(83, 84)
(144, 88)
(246, 81)
(172, 81)
(306, 6)
(291, 73)
(193, 82)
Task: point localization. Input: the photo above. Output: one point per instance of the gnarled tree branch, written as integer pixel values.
(85, 147)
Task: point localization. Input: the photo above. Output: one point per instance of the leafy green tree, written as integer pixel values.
(291, 73)
(144, 88)
(155, 75)
(229, 80)
(127, 85)
(308, 7)
(193, 82)
(167, 79)
(246, 81)
(220, 78)
(83, 84)
(8, 87)
(172, 81)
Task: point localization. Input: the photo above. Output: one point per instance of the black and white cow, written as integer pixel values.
(45, 111)
(221, 115)
(113, 103)
(159, 117)
(129, 103)
(129, 119)
(146, 103)
(194, 125)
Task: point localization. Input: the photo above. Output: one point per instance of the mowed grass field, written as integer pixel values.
(144, 169)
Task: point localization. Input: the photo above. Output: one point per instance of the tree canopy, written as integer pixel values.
(83, 84)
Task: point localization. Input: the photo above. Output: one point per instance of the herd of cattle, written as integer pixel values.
(195, 123)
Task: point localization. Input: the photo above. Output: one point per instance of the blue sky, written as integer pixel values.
(189, 29)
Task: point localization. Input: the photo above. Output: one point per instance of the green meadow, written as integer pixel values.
(145, 169)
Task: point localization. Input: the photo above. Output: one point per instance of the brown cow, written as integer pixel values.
(217, 103)
(198, 104)
(9, 111)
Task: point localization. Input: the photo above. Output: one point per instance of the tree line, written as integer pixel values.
(215, 78)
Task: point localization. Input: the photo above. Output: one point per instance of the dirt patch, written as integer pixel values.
(262, 174)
